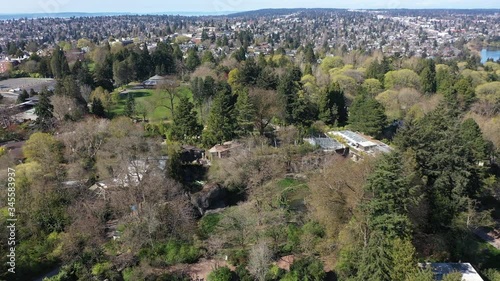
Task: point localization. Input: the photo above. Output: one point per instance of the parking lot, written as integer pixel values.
(11, 87)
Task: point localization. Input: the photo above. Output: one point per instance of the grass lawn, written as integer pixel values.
(157, 112)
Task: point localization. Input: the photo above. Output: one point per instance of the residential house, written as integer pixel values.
(327, 144)
(190, 154)
(361, 143)
(222, 151)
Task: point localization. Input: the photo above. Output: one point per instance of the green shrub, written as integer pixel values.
(101, 268)
(238, 257)
(208, 223)
(221, 274)
(172, 252)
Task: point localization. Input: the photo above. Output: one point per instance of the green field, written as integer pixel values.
(155, 101)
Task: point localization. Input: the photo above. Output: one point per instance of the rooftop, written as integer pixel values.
(442, 269)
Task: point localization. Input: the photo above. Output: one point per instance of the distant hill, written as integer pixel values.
(78, 14)
(277, 12)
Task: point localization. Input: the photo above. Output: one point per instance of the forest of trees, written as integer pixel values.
(373, 219)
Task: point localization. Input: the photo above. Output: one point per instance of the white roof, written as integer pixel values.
(467, 270)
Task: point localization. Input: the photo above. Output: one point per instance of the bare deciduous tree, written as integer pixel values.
(259, 260)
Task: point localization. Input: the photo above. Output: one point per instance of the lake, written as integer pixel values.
(490, 53)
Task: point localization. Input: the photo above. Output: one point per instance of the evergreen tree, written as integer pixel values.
(249, 72)
(309, 55)
(22, 96)
(97, 108)
(332, 107)
(208, 57)
(463, 94)
(375, 262)
(144, 65)
(43, 111)
(185, 126)
(192, 60)
(473, 136)
(221, 124)
(428, 77)
(130, 106)
(404, 262)
(245, 113)
(59, 64)
(446, 163)
(288, 88)
(367, 115)
(240, 54)
(391, 197)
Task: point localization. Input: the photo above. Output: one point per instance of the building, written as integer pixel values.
(360, 143)
(158, 80)
(440, 270)
(222, 150)
(327, 144)
(190, 154)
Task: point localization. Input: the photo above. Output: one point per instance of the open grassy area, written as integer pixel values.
(155, 103)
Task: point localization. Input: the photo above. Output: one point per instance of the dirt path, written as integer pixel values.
(199, 270)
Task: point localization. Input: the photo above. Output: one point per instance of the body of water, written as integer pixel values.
(490, 53)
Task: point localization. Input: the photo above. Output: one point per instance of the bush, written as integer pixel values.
(100, 268)
(221, 274)
(238, 257)
(207, 224)
(172, 252)
(306, 269)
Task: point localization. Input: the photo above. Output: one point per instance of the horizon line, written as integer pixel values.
(232, 12)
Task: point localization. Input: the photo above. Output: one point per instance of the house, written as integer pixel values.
(223, 150)
(158, 80)
(327, 144)
(190, 154)
(360, 143)
(442, 269)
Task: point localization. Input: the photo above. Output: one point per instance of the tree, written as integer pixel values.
(309, 55)
(288, 88)
(306, 269)
(473, 136)
(129, 106)
(208, 57)
(446, 164)
(240, 54)
(97, 108)
(428, 77)
(220, 274)
(66, 108)
(391, 198)
(375, 259)
(22, 96)
(59, 64)
(221, 124)
(268, 105)
(403, 78)
(403, 258)
(192, 60)
(185, 126)
(367, 115)
(122, 72)
(245, 113)
(259, 260)
(332, 106)
(43, 111)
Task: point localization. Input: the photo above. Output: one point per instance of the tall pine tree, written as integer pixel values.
(185, 126)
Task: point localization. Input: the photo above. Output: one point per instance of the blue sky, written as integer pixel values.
(156, 6)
